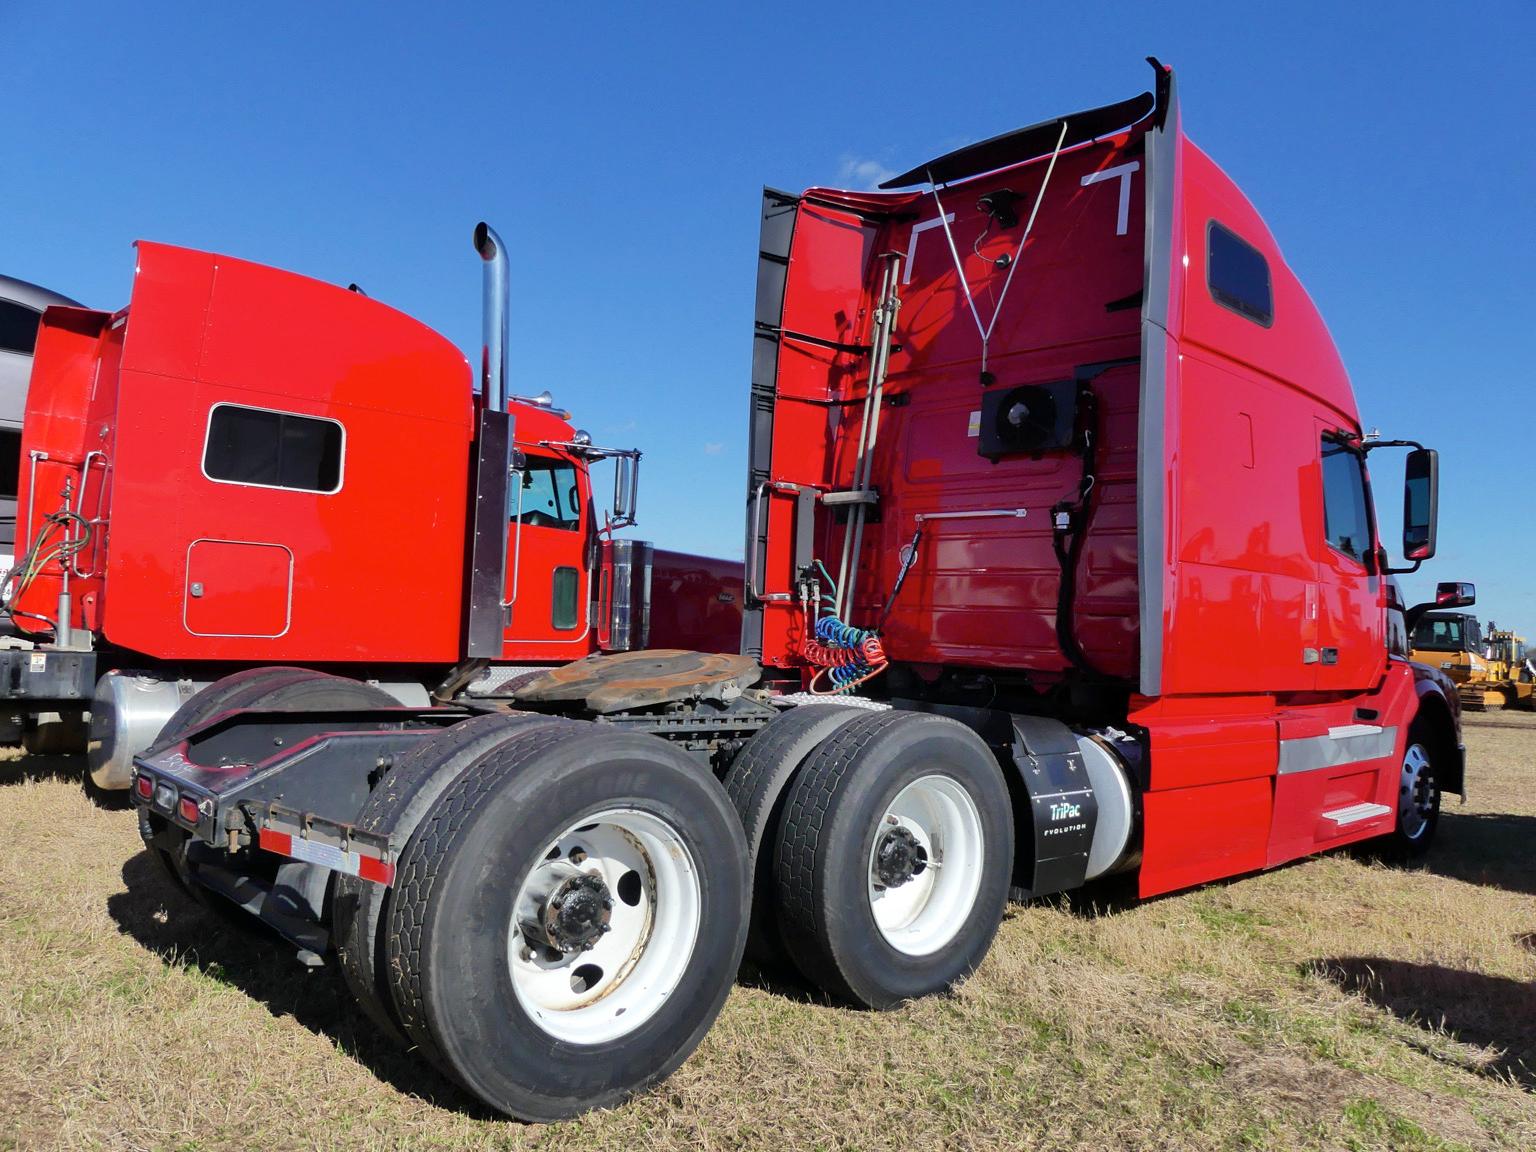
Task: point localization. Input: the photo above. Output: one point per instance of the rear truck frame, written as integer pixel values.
(1061, 564)
(167, 539)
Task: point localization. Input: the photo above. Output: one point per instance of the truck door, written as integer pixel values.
(546, 566)
(1351, 620)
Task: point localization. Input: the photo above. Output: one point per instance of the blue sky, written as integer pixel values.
(620, 150)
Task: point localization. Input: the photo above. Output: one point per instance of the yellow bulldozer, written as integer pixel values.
(1490, 668)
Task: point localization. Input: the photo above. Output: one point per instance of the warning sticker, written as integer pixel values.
(974, 428)
(39, 662)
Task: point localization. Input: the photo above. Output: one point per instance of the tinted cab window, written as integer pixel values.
(18, 327)
(1346, 519)
(270, 449)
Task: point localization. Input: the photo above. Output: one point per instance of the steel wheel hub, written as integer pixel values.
(1416, 792)
(603, 926)
(898, 857)
(925, 865)
(570, 914)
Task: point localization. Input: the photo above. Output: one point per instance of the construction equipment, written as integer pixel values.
(1490, 667)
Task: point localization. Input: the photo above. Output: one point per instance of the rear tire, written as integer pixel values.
(758, 784)
(546, 1034)
(893, 858)
(360, 908)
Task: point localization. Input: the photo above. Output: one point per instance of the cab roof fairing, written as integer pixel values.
(206, 316)
(1016, 149)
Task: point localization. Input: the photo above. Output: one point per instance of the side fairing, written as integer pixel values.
(1237, 573)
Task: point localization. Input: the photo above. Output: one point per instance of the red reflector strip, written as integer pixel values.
(350, 863)
(376, 870)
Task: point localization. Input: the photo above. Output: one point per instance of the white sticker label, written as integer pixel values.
(1121, 172)
(39, 661)
(974, 427)
(324, 855)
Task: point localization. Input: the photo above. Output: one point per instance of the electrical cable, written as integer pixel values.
(843, 656)
(847, 656)
(20, 577)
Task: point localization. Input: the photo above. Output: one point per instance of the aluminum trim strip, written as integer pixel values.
(1311, 753)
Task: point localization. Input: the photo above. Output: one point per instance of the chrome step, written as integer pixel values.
(1355, 813)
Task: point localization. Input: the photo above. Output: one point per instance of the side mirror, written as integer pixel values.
(1448, 594)
(1421, 504)
(1454, 594)
(626, 489)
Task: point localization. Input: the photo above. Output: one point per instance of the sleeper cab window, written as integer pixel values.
(1346, 523)
(268, 449)
(1238, 275)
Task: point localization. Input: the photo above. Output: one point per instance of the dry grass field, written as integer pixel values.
(1337, 1003)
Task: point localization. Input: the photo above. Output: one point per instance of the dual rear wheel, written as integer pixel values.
(567, 916)
(569, 906)
(883, 866)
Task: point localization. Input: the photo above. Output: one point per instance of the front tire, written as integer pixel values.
(498, 954)
(1418, 795)
(893, 858)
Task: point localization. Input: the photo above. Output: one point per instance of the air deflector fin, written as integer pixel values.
(1026, 143)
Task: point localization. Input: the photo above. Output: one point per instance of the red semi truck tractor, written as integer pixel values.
(1061, 562)
(248, 467)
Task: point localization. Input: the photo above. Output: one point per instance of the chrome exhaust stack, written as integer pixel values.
(493, 351)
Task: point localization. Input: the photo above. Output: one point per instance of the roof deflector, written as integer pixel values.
(1026, 143)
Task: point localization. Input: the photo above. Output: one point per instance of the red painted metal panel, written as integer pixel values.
(1240, 616)
(1193, 751)
(1197, 834)
(695, 602)
(62, 426)
(1301, 798)
(237, 588)
(984, 591)
(379, 563)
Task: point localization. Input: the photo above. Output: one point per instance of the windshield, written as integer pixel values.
(1446, 634)
(550, 496)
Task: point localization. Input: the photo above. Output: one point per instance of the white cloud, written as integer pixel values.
(714, 448)
(862, 174)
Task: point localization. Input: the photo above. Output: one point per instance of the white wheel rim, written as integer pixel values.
(612, 988)
(1415, 797)
(923, 914)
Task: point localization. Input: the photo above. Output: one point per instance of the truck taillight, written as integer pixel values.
(144, 786)
(187, 810)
